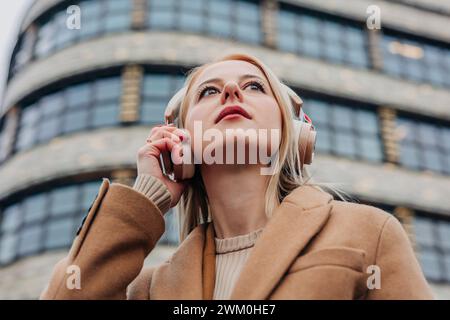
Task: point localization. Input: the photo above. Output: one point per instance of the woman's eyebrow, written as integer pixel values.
(219, 80)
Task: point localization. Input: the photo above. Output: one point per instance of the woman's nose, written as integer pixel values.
(231, 91)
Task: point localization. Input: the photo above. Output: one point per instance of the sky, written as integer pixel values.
(11, 13)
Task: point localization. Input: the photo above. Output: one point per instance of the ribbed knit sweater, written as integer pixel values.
(231, 253)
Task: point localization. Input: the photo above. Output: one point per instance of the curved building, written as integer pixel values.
(80, 102)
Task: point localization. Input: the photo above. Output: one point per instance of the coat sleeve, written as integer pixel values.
(119, 231)
(401, 274)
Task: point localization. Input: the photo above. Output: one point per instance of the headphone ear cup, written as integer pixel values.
(306, 136)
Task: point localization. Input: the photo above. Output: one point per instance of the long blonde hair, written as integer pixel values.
(193, 208)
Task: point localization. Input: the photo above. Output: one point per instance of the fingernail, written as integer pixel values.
(181, 138)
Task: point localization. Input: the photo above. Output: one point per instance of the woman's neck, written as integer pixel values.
(236, 195)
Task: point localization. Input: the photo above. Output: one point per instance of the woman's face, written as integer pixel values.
(232, 95)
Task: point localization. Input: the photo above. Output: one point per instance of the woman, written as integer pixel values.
(244, 235)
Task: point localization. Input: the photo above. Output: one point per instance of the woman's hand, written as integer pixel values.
(162, 138)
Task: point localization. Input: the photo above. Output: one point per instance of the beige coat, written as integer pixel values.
(313, 247)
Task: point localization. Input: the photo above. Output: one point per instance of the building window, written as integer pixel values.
(320, 37)
(433, 244)
(171, 234)
(97, 18)
(24, 51)
(77, 107)
(44, 221)
(416, 60)
(345, 130)
(424, 145)
(158, 89)
(48, 220)
(236, 19)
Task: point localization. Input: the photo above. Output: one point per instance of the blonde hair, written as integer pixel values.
(193, 208)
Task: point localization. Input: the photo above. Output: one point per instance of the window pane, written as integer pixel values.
(367, 121)
(107, 114)
(161, 19)
(89, 192)
(248, 33)
(11, 218)
(405, 129)
(370, 148)
(35, 208)
(429, 260)
(220, 8)
(49, 128)
(117, 22)
(30, 240)
(192, 5)
(323, 141)
(59, 233)
(30, 116)
(153, 111)
(287, 42)
(286, 21)
(311, 47)
(220, 27)
(247, 11)
(344, 144)
(8, 247)
(76, 120)
(78, 95)
(90, 26)
(64, 201)
(343, 117)
(318, 111)
(409, 156)
(445, 139)
(444, 235)
(52, 104)
(162, 4)
(424, 231)
(91, 8)
(432, 160)
(157, 86)
(107, 89)
(26, 138)
(427, 134)
(191, 21)
(118, 5)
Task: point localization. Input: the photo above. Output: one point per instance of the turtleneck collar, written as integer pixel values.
(237, 243)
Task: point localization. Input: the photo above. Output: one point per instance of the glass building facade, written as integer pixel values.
(42, 215)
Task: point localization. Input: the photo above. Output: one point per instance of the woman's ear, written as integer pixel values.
(296, 101)
(174, 105)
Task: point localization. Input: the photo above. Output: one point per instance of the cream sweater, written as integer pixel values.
(231, 253)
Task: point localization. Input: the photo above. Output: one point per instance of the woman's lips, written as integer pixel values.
(232, 112)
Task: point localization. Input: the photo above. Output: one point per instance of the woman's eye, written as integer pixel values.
(255, 86)
(208, 91)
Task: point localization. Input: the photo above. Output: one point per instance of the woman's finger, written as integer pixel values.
(176, 133)
(163, 134)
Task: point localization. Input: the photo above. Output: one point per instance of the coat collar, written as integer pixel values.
(191, 271)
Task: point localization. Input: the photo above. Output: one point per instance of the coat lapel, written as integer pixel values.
(181, 278)
(190, 273)
(301, 215)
